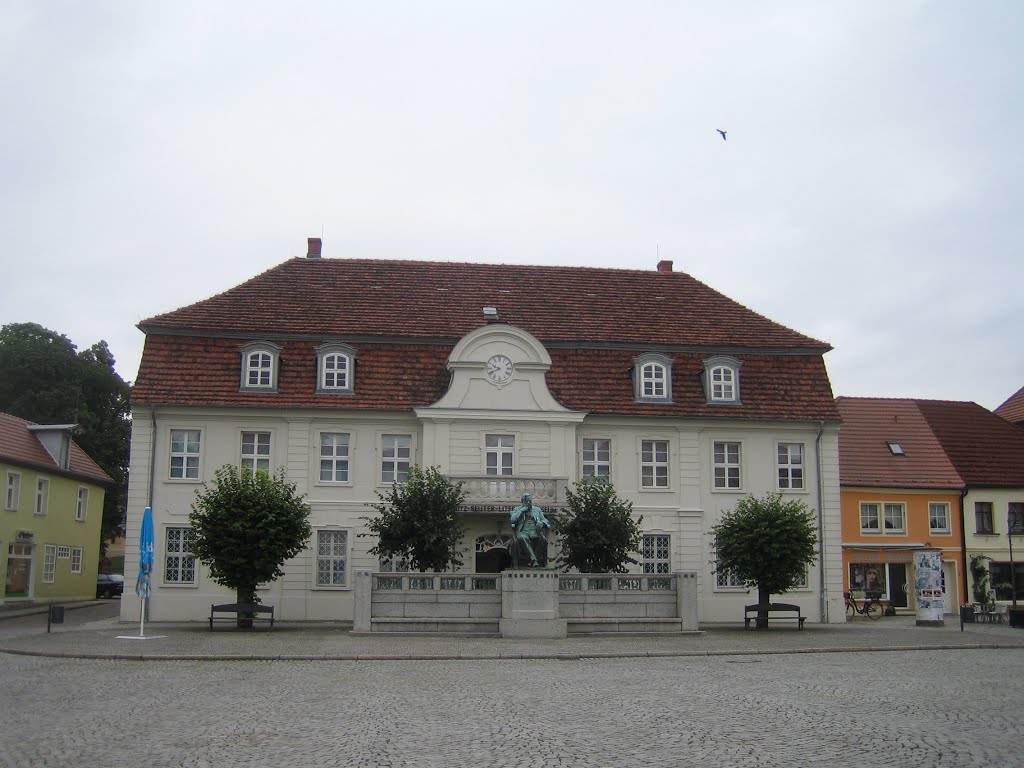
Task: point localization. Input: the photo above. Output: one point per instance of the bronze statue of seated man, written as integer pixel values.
(529, 535)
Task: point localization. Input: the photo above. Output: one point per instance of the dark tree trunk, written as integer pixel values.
(763, 599)
(245, 596)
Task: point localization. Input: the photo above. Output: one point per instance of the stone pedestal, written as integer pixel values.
(529, 604)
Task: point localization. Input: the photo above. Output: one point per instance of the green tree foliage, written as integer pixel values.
(766, 543)
(419, 522)
(45, 379)
(598, 533)
(246, 525)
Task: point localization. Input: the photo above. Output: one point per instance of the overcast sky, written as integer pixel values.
(869, 192)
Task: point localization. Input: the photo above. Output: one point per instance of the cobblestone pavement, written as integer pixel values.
(910, 708)
(105, 639)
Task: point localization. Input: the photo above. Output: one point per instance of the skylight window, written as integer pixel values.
(895, 448)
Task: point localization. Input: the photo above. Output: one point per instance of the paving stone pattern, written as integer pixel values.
(906, 708)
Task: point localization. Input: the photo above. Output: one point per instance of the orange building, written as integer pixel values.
(899, 492)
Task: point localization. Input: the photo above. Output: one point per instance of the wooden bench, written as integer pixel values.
(257, 611)
(750, 613)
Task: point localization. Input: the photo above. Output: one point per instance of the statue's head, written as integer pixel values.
(527, 499)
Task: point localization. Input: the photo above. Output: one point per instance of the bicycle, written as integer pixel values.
(872, 607)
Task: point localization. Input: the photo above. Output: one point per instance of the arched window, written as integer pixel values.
(652, 378)
(259, 366)
(335, 368)
(722, 379)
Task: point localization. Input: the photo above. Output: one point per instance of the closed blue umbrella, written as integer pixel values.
(143, 586)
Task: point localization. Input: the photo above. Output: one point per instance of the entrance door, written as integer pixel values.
(898, 585)
(948, 587)
(19, 570)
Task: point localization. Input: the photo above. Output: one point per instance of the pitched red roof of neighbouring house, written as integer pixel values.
(1013, 409)
(404, 318)
(865, 458)
(18, 445)
(985, 449)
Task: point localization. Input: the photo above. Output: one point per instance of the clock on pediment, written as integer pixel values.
(499, 369)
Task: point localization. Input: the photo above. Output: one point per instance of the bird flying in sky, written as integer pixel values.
(721, 132)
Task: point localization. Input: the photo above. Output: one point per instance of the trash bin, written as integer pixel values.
(966, 614)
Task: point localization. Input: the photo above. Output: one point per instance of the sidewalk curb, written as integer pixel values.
(506, 656)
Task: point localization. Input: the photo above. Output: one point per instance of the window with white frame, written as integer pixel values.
(185, 446)
(179, 561)
(82, 503)
(259, 366)
(895, 517)
(654, 463)
(597, 459)
(256, 451)
(331, 558)
(334, 457)
(499, 454)
(395, 458)
(722, 379)
(938, 517)
(652, 377)
(870, 517)
(76, 560)
(727, 579)
(727, 465)
(335, 367)
(791, 466)
(723, 383)
(12, 492)
(63, 552)
(42, 496)
(657, 557)
(49, 563)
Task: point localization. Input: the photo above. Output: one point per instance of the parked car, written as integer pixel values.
(109, 585)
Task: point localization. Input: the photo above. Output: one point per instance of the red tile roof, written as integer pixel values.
(439, 300)
(986, 450)
(195, 370)
(864, 455)
(1013, 409)
(20, 446)
(403, 318)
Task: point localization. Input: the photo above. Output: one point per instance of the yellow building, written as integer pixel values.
(50, 515)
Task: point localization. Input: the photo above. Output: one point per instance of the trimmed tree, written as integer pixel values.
(598, 531)
(766, 543)
(419, 522)
(246, 525)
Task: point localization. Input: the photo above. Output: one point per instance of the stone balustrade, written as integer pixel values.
(505, 492)
(472, 603)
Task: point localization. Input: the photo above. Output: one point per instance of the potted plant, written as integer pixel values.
(980, 579)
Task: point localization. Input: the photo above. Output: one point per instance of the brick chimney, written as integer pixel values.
(664, 266)
(315, 244)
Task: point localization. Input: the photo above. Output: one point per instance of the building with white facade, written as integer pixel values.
(346, 372)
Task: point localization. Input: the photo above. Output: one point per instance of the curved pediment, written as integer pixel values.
(499, 367)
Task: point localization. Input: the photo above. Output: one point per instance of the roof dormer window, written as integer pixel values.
(722, 379)
(335, 367)
(652, 378)
(259, 366)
